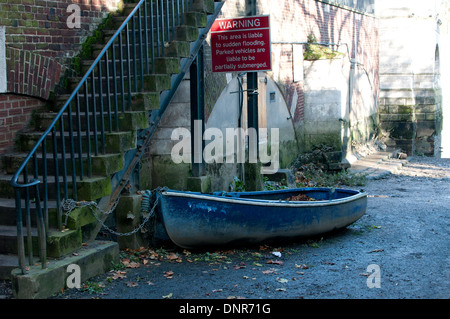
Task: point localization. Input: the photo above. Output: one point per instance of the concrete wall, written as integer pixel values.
(411, 110)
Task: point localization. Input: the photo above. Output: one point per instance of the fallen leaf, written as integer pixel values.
(186, 252)
(376, 250)
(118, 275)
(365, 274)
(149, 283)
(145, 262)
(282, 280)
(132, 284)
(235, 297)
(168, 274)
(277, 262)
(168, 296)
(269, 271)
(217, 290)
(280, 289)
(172, 256)
(257, 264)
(303, 266)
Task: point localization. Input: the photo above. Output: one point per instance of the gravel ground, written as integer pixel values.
(404, 234)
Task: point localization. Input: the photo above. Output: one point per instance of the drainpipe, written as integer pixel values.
(252, 86)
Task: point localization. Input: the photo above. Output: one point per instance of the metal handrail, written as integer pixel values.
(164, 25)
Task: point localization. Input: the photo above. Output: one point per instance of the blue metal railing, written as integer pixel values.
(106, 88)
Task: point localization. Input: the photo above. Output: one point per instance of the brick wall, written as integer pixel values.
(38, 46)
(15, 113)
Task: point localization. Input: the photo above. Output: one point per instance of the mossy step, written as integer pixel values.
(128, 121)
(186, 33)
(167, 65)
(58, 243)
(195, 19)
(157, 82)
(102, 164)
(180, 49)
(206, 6)
(89, 189)
(115, 142)
(8, 212)
(140, 101)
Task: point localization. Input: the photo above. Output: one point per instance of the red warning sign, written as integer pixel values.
(241, 44)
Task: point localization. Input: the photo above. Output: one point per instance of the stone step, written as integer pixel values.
(102, 164)
(94, 259)
(88, 189)
(8, 262)
(8, 212)
(127, 121)
(141, 101)
(191, 18)
(115, 142)
(58, 243)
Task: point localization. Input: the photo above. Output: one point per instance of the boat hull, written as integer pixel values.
(194, 220)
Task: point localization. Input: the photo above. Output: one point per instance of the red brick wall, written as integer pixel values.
(39, 43)
(15, 114)
(39, 47)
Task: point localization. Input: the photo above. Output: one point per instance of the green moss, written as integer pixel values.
(86, 47)
(319, 52)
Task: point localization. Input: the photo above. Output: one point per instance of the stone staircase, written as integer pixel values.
(113, 155)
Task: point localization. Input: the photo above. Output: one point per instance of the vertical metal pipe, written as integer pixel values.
(167, 20)
(146, 35)
(177, 9)
(122, 75)
(108, 91)
(72, 153)
(78, 120)
(173, 17)
(45, 182)
(197, 114)
(133, 26)
(128, 64)
(94, 114)
(19, 225)
(116, 102)
(141, 49)
(100, 100)
(57, 186)
(40, 220)
(157, 33)
(162, 27)
(28, 218)
(63, 157)
(152, 33)
(88, 129)
(252, 86)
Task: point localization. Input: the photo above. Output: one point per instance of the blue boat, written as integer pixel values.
(194, 220)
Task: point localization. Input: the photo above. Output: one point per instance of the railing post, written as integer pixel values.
(19, 224)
